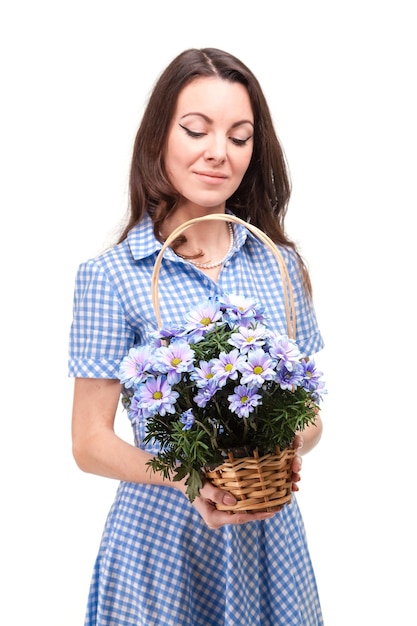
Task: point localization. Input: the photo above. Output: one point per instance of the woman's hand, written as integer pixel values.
(297, 462)
(205, 505)
(209, 495)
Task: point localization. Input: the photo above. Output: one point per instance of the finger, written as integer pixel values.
(216, 495)
(297, 464)
(298, 442)
(214, 518)
(222, 518)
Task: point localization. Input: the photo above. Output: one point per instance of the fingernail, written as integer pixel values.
(229, 499)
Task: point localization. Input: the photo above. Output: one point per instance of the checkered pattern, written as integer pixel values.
(113, 306)
(158, 564)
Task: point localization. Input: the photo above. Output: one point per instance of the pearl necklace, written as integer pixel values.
(209, 266)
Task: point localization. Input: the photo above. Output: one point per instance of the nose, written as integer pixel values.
(216, 151)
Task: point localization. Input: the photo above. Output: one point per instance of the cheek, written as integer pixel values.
(179, 156)
(242, 163)
(172, 163)
(177, 163)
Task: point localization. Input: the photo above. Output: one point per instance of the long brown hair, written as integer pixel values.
(263, 195)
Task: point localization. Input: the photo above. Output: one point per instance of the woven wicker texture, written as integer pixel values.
(258, 483)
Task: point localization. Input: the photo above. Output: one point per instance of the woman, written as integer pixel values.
(206, 144)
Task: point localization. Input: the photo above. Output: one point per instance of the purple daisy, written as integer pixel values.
(157, 396)
(289, 378)
(240, 310)
(258, 368)
(204, 316)
(202, 375)
(174, 360)
(136, 366)
(248, 337)
(244, 400)
(205, 394)
(284, 349)
(226, 366)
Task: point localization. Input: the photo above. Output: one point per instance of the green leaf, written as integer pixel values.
(194, 483)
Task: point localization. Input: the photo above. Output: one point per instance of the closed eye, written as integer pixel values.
(240, 142)
(196, 135)
(192, 133)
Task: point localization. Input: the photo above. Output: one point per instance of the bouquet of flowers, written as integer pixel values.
(222, 381)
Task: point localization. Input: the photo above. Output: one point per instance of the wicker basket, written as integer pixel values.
(258, 483)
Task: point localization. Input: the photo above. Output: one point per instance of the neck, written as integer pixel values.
(187, 212)
(212, 264)
(205, 245)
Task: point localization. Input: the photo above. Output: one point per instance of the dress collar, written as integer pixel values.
(143, 243)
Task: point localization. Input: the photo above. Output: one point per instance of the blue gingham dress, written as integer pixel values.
(158, 563)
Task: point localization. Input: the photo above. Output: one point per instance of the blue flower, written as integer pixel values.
(311, 376)
(136, 366)
(284, 349)
(157, 396)
(226, 366)
(188, 419)
(244, 400)
(289, 378)
(317, 395)
(203, 317)
(205, 394)
(239, 310)
(203, 374)
(248, 337)
(174, 360)
(258, 368)
(135, 412)
(164, 335)
(311, 381)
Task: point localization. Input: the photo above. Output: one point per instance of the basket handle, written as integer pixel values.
(286, 282)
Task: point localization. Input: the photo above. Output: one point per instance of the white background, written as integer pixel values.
(340, 80)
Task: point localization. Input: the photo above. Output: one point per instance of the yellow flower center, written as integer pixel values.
(209, 375)
(228, 367)
(175, 361)
(205, 321)
(249, 339)
(157, 395)
(257, 370)
(244, 399)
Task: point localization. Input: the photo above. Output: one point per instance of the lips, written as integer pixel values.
(211, 177)
(212, 174)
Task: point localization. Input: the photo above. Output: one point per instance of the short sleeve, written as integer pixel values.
(100, 335)
(308, 336)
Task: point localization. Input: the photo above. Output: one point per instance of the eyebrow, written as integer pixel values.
(210, 121)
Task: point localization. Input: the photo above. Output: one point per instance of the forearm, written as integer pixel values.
(311, 436)
(105, 454)
(96, 447)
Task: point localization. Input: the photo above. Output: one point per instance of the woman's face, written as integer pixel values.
(210, 142)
